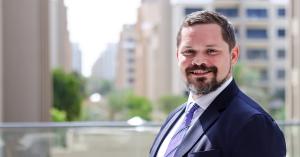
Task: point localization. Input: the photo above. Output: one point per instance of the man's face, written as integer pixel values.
(204, 58)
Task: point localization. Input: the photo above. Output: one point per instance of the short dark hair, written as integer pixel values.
(210, 17)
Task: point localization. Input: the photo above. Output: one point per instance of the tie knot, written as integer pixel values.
(190, 114)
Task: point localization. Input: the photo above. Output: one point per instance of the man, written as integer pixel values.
(218, 120)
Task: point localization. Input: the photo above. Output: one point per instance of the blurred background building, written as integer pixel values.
(293, 77)
(153, 50)
(293, 84)
(60, 46)
(25, 61)
(105, 66)
(76, 58)
(34, 39)
(126, 59)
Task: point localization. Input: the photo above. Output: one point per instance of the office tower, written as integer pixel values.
(126, 61)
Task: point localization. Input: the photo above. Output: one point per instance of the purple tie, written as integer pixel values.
(180, 133)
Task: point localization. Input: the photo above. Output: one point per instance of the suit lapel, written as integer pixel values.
(165, 130)
(197, 131)
(207, 119)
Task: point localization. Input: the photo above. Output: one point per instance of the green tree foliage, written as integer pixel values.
(96, 85)
(138, 106)
(245, 76)
(170, 102)
(67, 94)
(278, 114)
(248, 80)
(83, 83)
(116, 103)
(57, 115)
(128, 105)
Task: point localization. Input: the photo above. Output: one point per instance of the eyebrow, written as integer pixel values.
(208, 46)
(187, 47)
(212, 45)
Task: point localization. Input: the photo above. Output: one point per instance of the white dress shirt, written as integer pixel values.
(203, 101)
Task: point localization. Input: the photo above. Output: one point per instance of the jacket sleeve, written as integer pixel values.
(259, 137)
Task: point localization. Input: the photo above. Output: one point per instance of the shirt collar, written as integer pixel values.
(205, 100)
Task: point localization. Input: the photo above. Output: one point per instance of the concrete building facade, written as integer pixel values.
(293, 80)
(60, 46)
(105, 66)
(126, 53)
(76, 58)
(25, 68)
(153, 53)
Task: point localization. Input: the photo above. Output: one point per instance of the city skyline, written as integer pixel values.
(88, 25)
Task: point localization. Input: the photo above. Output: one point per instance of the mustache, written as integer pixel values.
(202, 67)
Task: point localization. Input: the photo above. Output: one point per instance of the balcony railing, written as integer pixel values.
(94, 139)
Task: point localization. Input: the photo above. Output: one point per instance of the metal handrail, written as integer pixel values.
(112, 124)
(289, 123)
(116, 124)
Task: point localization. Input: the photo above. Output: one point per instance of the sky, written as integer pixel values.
(95, 23)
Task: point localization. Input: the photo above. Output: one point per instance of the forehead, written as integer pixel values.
(202, 30)
(202, 35)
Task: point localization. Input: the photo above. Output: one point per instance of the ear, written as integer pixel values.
(177, 54)
(235, 53)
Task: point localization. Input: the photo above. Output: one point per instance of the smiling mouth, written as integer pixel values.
(199, 72)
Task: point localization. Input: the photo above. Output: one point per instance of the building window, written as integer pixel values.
(254, 33)
(191, 10)
(257, 54)
(130, 40)
(281, 12)
(264, 75)
(281, 33)
(229, 12)
(131, 70)
(257, 13)
(130, 50)
(131, 80)
(280, 93)
(280, 74)
(131, 60)
(237, 32)
(281, 53)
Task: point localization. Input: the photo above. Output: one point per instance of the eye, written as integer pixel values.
(211, 51)
(188, 52)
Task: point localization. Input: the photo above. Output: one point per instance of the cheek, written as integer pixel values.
(224, 67)
(182, 66)
(183, 62)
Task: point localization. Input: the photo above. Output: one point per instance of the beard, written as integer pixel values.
(201, 85)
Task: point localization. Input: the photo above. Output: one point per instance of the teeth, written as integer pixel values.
(199, 72)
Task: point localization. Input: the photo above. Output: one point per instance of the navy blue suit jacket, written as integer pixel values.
(232, 126)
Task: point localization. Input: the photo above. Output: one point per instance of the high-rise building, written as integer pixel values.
(125, 68)
(76, 58)
(261, 29)
(153, 52)
(60, 46)
(25, 76)
(105, 66)
(293, 80)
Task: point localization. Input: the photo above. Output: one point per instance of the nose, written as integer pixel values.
(199, 60)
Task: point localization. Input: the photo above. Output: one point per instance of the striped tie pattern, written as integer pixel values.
(180, 133)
